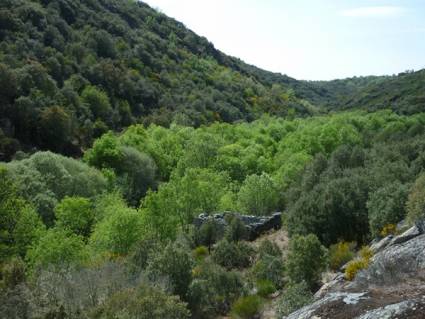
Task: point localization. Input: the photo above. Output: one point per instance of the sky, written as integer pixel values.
(311, 39)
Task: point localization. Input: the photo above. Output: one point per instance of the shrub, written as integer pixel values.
(306, 260)
(258, 195)
(265, 288)
(386, 206)
(236, 230)
(416, 200)
(269, 268)
(233, 255)
(213, 290)
(389, 229)
(340, 254)
(12, 273)
(269, 248)
(200, 252)
(75, 214)
(353, 267)
(175, 264)
(247, 307)
(143, 303)
(207, 234)
(294, 297)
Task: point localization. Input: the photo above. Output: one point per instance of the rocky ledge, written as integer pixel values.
(393, 286)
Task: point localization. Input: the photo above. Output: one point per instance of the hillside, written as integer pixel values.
(71, 70)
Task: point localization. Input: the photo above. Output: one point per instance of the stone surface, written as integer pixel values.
(256, 225)
(407, 235)
(389, 312)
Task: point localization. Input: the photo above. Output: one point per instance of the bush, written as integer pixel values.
(236, 230)
(200, 252)
(353, 267)
(12, 273)
(416, 200)
(75, 214)
(265, 288)
(258, 195)
(143, 303)
(389, 229)
(340, 254)
(213, 290)
(207, 234)
(294, 297)
(233, 255)
(386, 206)
(306, 260)
(269, 248)
(247, 307)
(269, 268)
(175, 264)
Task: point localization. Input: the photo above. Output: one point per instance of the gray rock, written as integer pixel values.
(412, 232)
(381, 244)
(331, 286)
(388, 312)
(308, 311)
(256, 225)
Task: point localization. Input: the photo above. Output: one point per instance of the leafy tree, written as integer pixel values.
(258, 195)
(233, 254)
(175, 264)
(20, 223)
(57, 247)
(306, 260)
(143, 302)
(118, 232)
(55, 128)
(416, 200)
(236, 230)
(386, 206)
(98, 102)
(75, 214)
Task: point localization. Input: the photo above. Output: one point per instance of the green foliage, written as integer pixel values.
(236, 230)
(258, 195)
(294, 297)
(143, 302)
(200, 252)
(12, 273)
(20, 224)
(75, 214)
(207, 234)
(247, 307)
(387, 206)
(340, 253)
(265, 288)
(270, 268)
(233, 254)
(416, 200)
(58, 248)
(360, 263)
(180, 200)
(213, 290)
(45, 178)
(306, 260)
(119, 230)
(268, 248)
(175, 264)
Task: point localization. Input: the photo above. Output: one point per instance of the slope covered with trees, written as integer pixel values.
(111, 235)
(71, 70)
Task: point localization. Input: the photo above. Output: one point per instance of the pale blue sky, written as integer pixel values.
(311, 39)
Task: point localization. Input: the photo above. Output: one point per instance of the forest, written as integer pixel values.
(119, 126)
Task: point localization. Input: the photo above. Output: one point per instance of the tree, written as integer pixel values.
(55, 128)
(20, 224)
(306, 260)
(258, 195)
(58, 248)
(386, 206)
(416, 200)
(117, 232)
(175, 264)
(98, 102)
(75, 214)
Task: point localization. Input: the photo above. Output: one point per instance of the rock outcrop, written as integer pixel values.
(256, 225)
(393, 286)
